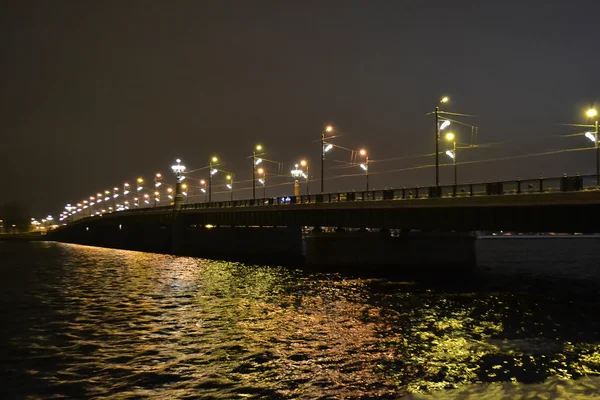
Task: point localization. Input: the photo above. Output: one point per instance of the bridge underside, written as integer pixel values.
(559, 212)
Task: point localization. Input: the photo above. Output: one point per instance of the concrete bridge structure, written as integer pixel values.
(408, 226)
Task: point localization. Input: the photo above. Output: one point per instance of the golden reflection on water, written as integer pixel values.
(115, 323)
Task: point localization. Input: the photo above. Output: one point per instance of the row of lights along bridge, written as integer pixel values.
(128, 198)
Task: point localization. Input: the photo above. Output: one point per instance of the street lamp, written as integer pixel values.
(255, 162)
(178, 170)
(156, 197)
(365, 166)
(304, 163)
(184, 191)
(444, 99)
(211, 172)
(146, 198)
(115, 195)
(170, 193)
(140, 184)
(592, 113)
(157, 179)
(452, 153)
(203, 188)
(263, 180)
(229, 179)
(297, 173)
(328, 129)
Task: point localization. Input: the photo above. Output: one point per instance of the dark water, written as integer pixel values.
(81, 322)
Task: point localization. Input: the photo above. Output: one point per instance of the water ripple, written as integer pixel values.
(90, 322)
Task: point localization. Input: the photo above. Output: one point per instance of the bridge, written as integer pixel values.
(431, 219)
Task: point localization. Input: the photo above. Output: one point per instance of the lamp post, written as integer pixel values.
(229, 178)
(184, 191)
(156, 197)
(211, 172)
(452, 154)
(365, 166)
(203, 189)
(115, 195)
(263, 180)
(592, 113)
(297, 173)
(437, 140)
(255, 162)
(304, 163)
(125, 191)
(328, 129)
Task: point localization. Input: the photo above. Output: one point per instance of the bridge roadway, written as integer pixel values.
(549, 210)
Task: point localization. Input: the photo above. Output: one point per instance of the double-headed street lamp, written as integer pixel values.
(438, 128)
(304, 163)
(328, 129)
(229, 179)
(203, 189)
(255, 162)
(263, 180)
(211, 172)
(365, 166)
(450, 137)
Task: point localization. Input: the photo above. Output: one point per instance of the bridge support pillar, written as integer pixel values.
(377, 250)
(178, 225)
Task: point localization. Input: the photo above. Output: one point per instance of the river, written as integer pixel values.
(83, 322)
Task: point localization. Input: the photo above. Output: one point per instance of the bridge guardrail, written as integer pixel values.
(498, 188)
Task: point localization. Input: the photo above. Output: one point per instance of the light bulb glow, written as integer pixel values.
(590, 136)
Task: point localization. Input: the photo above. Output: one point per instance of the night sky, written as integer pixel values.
(97, 93)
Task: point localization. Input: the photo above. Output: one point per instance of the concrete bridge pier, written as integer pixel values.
(178, 225)
(382, 251)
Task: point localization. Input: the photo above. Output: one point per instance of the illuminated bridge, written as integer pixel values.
(422, 220)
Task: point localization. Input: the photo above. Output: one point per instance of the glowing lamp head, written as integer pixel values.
(444, 125)
(591, 113)
(590, 136)
(158, 175)
(445, 99)
(214, 159)
(140, 180)
(228, 177)
(450, 136)
(329, 128)
(258, 147)
(303, 163)
(184, 186)
(202, 182)
(261, 171)
(363, 152)
(156, 193)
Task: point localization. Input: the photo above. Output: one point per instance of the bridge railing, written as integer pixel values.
(515, 187)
